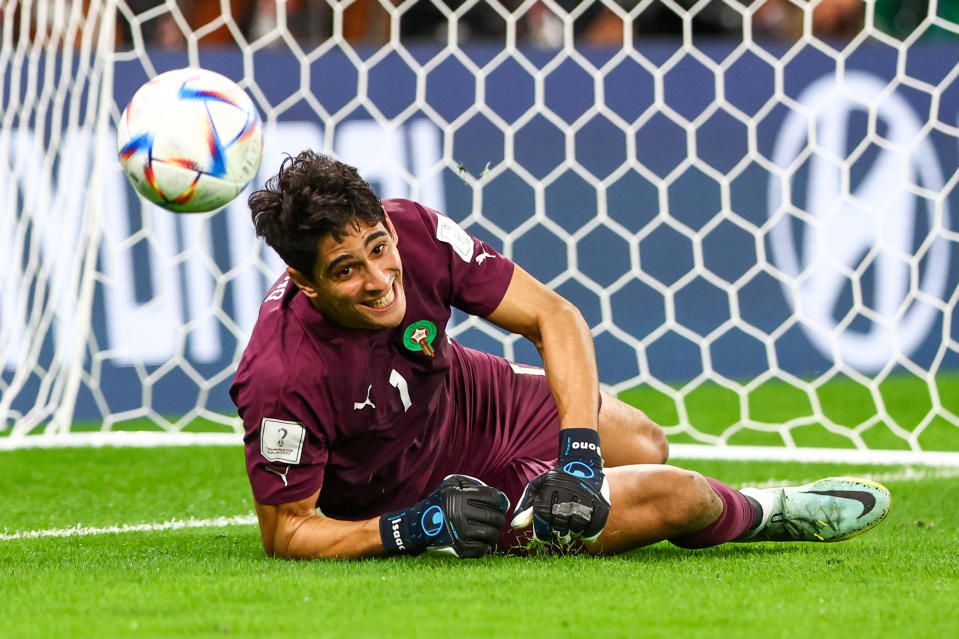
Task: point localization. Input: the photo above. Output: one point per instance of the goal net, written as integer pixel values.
(752, 202)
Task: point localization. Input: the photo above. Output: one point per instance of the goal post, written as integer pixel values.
(55, 70)
(751, 202)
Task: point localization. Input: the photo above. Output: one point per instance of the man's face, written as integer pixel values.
(358, 280)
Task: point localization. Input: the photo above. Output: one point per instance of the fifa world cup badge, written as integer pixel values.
(419, 336)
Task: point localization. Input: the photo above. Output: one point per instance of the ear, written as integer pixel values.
(302, 282)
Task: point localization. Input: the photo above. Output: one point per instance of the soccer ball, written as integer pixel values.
(190, 140)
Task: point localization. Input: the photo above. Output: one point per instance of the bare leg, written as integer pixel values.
(651, 503)
(628, 436)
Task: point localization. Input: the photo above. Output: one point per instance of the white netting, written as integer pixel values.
(750, 201)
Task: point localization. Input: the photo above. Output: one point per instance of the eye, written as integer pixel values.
(379, 249)
(344, 272)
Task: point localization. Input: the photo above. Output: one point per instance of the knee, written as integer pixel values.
(651, 440)
(691, 503)
(629, 436)
(658, 444)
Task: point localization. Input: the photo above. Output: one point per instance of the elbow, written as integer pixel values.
(282, 546)
(281, 551)
(269, 546)
(570, 313)
(273, 553)
(275, 533)
(283, 528)
(558, 312)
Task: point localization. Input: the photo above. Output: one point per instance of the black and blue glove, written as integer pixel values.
(462, 517)
(570, 501)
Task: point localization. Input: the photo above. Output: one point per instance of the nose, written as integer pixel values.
(379, 278)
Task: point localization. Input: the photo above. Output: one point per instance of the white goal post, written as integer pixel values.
(754, 204)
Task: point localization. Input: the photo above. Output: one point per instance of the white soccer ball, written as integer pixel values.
(190, 140)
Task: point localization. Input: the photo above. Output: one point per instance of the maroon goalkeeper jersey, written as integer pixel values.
(379, 417)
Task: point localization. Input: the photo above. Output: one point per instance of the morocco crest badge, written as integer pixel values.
(419, 336)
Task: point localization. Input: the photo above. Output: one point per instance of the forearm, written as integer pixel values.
(463, 516)
(566, 346)
(572, 499)
(564, 341)
(322, 538)
(312, 536)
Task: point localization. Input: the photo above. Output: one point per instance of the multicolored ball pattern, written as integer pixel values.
(190, 140)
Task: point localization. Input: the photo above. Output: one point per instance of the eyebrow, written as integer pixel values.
(371, 238)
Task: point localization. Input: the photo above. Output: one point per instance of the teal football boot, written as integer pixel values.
(831, 509)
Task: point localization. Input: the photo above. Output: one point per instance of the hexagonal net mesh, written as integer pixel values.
(751, 202)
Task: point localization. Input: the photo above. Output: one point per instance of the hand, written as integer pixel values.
(462, 517)
(570, 501)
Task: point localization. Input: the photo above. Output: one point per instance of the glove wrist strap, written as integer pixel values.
(580, 444)
(400, 532)
(580, 454)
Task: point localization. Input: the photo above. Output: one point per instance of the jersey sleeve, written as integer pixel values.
(286, 442)
(478, 274)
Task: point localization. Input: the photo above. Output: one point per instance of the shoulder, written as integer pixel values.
(279, 387)
(434, 231)
(279, 361)
(267, 377)
(411, 217)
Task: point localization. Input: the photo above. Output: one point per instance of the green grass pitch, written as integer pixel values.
(899, 580)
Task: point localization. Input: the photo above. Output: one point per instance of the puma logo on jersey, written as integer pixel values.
(275, 471)
(482, 256)
(366, 402)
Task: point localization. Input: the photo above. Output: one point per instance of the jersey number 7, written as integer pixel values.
(398, 382)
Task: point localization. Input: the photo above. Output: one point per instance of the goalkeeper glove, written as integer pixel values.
(462, 517)
(572, 500)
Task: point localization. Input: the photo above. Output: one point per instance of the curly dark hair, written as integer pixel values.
(312, 196)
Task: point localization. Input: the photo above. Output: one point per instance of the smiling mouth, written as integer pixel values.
(383, 302)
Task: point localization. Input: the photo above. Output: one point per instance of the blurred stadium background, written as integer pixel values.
(751, 202)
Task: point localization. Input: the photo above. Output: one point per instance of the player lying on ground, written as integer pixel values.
(357, 402)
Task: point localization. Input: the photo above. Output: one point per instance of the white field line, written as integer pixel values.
(905, 474)
(908, 473)
(150, 439)
(173, 524)
(836, 455)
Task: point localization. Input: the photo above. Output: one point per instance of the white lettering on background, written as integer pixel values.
(174, 253)
(876, 220)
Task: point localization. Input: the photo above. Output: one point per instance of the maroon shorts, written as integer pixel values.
(508, 427)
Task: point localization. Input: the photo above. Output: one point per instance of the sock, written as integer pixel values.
(758, 518)
(740, 513)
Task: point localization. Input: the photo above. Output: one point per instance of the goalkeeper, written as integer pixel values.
(358, 404)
